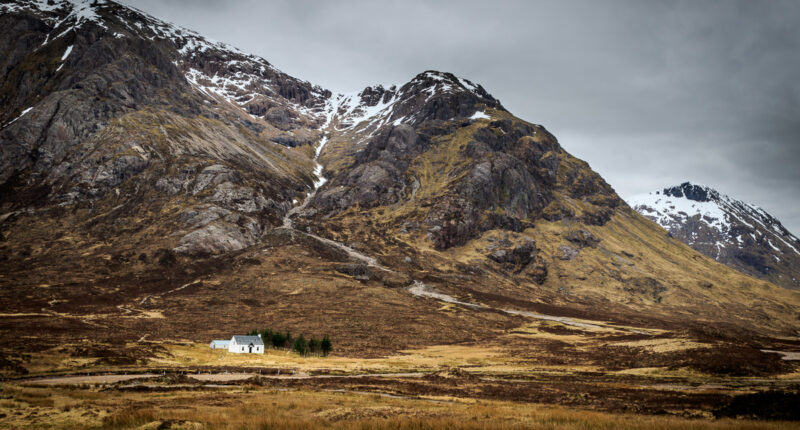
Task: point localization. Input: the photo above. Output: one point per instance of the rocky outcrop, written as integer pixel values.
(524, 257)
(645, 287)
(582, 238)
(520, 255)
(214, 239)
(566, 253)
(361, 272)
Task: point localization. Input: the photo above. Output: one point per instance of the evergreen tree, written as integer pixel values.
(326, 345)
(313, 345)
(278, 340)
(266, 336)
(288, 341)
(300, 345)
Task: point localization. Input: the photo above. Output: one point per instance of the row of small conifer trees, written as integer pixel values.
(300, 344)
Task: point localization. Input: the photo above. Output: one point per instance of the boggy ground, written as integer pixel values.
(251, 406)
(603, 376)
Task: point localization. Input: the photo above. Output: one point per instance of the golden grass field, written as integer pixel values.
(245, 408)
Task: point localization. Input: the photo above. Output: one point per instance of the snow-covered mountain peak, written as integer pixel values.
(729, 230)
(430, 94)
(682, 201)
(432, 83)
(435, 81)
(64, 15)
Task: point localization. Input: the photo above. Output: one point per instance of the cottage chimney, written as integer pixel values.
(259, 335)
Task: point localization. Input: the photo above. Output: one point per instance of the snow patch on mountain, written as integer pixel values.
(237, 77)
(66, 53)
(216, 69)
(479, 115)
(353, 110)
(18, 117)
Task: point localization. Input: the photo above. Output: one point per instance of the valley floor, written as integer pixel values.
(269, 407)
(544, 374)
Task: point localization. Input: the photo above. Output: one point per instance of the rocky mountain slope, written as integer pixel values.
(157, 185)
(735, 233)
(96, 94)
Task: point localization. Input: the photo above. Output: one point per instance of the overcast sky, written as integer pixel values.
(649, 93)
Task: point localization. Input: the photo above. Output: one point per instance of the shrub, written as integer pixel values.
(313, 345)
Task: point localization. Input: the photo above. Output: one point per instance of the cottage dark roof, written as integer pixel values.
(246, 340)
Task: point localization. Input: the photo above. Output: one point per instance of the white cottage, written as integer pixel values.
(220, 344)
(246, 345)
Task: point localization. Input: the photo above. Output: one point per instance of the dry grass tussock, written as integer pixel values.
(314, 410)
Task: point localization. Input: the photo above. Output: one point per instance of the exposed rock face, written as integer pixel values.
(358, 271)
(510, 176)
(378, 179)
(732, 232)
(493, 171)
(522, 258)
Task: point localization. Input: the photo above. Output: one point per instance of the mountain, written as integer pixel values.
(735, 233)
(158, 185)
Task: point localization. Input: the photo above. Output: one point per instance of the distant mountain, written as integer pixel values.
(733, 232)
